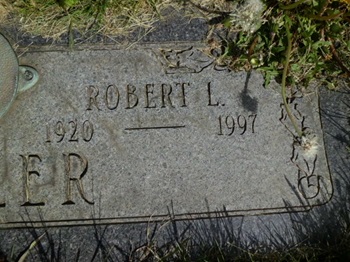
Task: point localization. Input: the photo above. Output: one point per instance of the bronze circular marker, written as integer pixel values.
(13, 78)
(8, 75)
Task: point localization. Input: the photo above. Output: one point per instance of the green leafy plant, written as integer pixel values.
(319, 39)
(294, 42)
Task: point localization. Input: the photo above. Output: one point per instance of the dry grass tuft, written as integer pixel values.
(208, 8)
(217, 6)
(5, 10)
(128, 15)
(52, 18)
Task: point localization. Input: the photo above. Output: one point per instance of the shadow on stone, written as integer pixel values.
(248, 102)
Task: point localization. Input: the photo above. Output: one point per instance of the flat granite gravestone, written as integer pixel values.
(116, 136)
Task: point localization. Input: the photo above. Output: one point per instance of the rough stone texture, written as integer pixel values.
(335, 112)
(128, 134)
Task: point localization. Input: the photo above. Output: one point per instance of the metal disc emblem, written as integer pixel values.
(13, 78)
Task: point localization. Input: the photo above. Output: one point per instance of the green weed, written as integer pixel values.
(293, 42)
(320, 41)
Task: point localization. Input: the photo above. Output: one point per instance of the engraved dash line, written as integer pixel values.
(153, 127)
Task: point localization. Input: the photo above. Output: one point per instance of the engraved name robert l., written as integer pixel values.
(148, 96)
